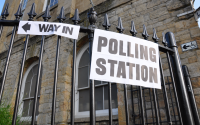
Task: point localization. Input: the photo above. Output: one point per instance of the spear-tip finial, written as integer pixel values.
(5, 13)
(32, 13)
(120, 27)
(19, 12)
(145, 34)
(76, 18)
(133, 30)
(164, 40)
(61, 16)
(106, 23)
(155, 37)
(46, 15)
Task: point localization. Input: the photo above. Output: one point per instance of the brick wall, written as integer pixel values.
(158, 14)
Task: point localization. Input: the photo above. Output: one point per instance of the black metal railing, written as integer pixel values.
(173, 93)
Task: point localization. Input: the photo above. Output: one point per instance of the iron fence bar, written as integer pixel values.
(138, 103)
(46, 17)
(160, 121)
(174, 88)
(75, 19)
(18, 14)
(92, 88)
(134, 32)
(92, 19)
(121, 29)
(171, 100)
(156, 103)
(165, 93)
(156, 106)
(186, 105)
(20, 81)
(7, 62)
(132, 102)
(106, 25)
(165, 49)
(37, 82)
(145, 35)
(31, 14)
(110, 103)
(151, 104)
(141, 105)
(126, 104)
(191, 95)
(145, 108)
(61, 18)
(9, 22)
(164, 88)
(55, 82)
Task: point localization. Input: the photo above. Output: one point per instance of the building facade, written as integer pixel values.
(177, 16)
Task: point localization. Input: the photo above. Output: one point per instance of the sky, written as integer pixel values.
(1, 5)
(196, 5)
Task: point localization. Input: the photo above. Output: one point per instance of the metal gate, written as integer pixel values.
(176, 102)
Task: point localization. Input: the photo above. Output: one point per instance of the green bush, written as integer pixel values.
(6, 115)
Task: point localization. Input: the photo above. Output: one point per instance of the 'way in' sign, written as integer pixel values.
(47, 28)
(124, 59)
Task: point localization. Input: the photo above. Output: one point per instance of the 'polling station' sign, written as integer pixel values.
(47, 28)
(125, 59)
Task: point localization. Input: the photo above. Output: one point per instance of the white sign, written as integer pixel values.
(47, 28)
(125, 59)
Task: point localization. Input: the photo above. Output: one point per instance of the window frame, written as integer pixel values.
(22, 2)
(21, 102)
(85, 114)
(45, 4)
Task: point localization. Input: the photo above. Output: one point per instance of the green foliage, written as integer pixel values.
(6, 115)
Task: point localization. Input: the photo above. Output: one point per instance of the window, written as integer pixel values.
(52, 2)
(83, 89)
(49, 3)
(24, 3)
(28, 91)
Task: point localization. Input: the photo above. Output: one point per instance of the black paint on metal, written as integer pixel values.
(191, 95)
(92, 19)
(75, 19)
(106, 25)
(46, 17)
(182, 92)
(18, 15)
(165, 90)
(31, 14)
(174, 88)
(61, 18)
(120, 30)
(155, 38)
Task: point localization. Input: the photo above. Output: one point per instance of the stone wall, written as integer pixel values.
(158, 14)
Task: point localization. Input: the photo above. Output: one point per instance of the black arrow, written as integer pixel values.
(185, 47)
(26, 27)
